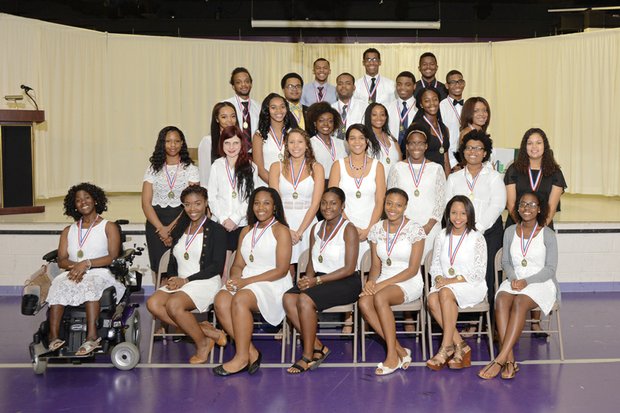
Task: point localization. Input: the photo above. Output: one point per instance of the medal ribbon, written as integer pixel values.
(425, 86)
(471, 185)
(189, 239)
(418, 178)
(438, 133)
(294, 178)
(526, 247)
(534, 185)
(389, 246)
(370, 92)
(358, 181)
(255, 239)
(280, 143)
(241, 110)
(386, 149)
(295, 108)
(171, 181)
(456, 112)
(232, 178)
(325, 241)
(452, 255)
(82, 239)
(346, 113)
(402, 118)
(331, 149)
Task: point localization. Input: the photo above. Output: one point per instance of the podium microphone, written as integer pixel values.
(26, 90)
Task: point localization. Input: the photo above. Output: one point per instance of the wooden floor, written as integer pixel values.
(575, 208)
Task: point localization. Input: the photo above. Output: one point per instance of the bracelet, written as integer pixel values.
(318, 280)
(89, 265)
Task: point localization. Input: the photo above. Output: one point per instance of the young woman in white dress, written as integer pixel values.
(223, 115)
(193, 276)
(376, 119)
(529, 261)
(268, 141)
(299, 179)
(258, 279)
(396, 246)
(86, 249)
(323, 120)
(232, 181)
(457, 273)
(424, 182)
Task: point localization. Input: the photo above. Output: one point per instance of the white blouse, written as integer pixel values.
(221, 201)
(185, 174)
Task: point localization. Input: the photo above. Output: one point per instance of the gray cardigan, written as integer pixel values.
(551, 259)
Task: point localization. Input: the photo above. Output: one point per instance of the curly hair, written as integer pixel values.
(477, 135)
(315, 111)
(96, 193)
(243, 167)
(371, 141)
(368, 123)
(548, 164)
(309, 154)
(469, 210)
(277, 203)
(264, 119)
(467, 114)
(543, 207)
(158, 159)
(215, 128)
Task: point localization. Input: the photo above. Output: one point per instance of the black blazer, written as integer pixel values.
(213, 256)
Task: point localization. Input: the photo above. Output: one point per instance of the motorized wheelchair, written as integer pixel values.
(118, 324)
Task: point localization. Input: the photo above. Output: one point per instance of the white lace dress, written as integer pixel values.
(268, 293)
(543, 294)
(295, 210)
(66, 292)
(470, 262)
(399, 258)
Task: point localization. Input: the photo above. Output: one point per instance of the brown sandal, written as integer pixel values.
(443, 356)
(462, 356)
(482, 373)
(515, 368)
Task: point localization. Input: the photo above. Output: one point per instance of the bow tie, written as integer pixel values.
(457, 102)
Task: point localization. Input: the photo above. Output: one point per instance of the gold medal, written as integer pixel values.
(80, 253)
(245, 125)
(251, 257)
(388, 261)
(295, 195)
(524, 262)
(402, 128)
(234, 194)
(471, 195)
(280, 157)
(387, 160)
(451, 271)
(370, 101)
(358, 194)
(171, 194)
(416, 192)
(186, 255)
(441, 150)
(320, 258)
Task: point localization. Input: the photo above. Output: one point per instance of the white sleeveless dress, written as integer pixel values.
(392, 155)
(271, 154)
(63, 291)
(323, 154)
(268, 293)
(399, 258)
(295, 210)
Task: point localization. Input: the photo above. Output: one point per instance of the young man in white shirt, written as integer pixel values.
(292, 85)
(373, 87)
(451, 108)
(428, 69)
(247, 109)
(402, 110)
(351, 110)
(319, 90)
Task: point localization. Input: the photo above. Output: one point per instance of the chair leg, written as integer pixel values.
(363, 335)
(430, 334)
(421, 329)
(294, 344)
(490, 335)
(355, 332)
(479, 332)
(557, 317)
(152, 339)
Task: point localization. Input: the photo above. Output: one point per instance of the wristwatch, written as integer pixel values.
(460, 278)
(318, 280)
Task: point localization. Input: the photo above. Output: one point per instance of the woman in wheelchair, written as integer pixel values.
(194, 275)
(86, 249)
(529, 261)
(258, 279)
(396, 246)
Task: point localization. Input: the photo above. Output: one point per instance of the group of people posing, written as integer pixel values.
(316, 180)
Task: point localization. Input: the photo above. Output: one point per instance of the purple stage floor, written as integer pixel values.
(587, 380)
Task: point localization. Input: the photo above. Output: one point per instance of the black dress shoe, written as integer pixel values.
(256, 365)
(220, 371)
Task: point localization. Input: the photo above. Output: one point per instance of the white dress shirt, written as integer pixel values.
(253, 107)
(355, 111)
(394, 110)
(385, 89)
(451, 117)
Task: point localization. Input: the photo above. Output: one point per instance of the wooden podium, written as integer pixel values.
(17, 161)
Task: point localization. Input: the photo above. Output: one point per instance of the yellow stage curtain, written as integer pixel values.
(106, 96)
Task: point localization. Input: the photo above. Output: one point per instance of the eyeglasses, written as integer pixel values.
(474, 148)
(529, 205)
(460, 82)
(293, 87)
(371, 59)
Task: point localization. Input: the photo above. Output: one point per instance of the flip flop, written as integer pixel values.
(55, 344)
(319, 360)
(88, 347)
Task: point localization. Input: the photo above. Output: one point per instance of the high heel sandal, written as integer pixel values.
(504, 373)
(482, 372)
(462, 356)
(443, 356)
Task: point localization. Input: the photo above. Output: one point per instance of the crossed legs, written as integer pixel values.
(301, 311)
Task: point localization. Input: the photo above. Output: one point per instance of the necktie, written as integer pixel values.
(299, 116)
(320, 93)
(373, 91)
(405, 118)
(457, 102)
(246, 121)
(343, 129)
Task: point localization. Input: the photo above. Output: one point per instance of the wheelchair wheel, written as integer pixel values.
(39, 365)
(132, 331)
(125, 356)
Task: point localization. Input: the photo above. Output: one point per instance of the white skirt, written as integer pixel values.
(467, 294)
(294, 217)
(63, 291)
(543, 294)
(412, 288)
(201, 292)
